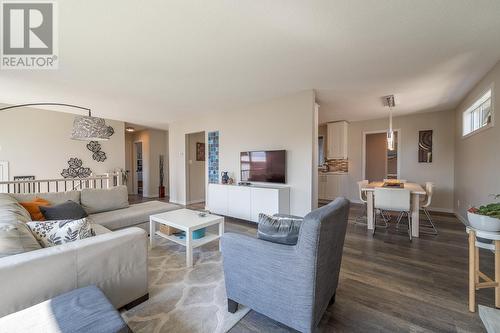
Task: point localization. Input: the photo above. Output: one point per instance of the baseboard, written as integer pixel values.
(182, 203)
(441, 210)
(461, 218)
(195, 201)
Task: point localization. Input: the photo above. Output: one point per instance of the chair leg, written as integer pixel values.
(409, 226)
(374, 221)
(429, 219)
(400, 217)
(332, 300)
(385, 217)
(232, 306)
(385, 225)
(362, 217)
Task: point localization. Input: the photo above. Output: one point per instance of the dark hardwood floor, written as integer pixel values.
(389, 284)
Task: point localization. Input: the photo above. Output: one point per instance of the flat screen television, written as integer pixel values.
(263, 166)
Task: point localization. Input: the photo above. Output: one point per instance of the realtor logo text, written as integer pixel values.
(29, 35)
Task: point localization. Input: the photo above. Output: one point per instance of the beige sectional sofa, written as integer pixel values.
(115, 259)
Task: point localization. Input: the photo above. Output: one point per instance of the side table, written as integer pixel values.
(479, 239)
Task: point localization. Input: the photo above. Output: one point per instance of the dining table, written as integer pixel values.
(416, 193)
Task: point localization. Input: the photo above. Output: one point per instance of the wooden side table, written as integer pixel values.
(475, 275)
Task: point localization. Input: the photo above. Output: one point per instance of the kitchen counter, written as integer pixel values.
(333, 173)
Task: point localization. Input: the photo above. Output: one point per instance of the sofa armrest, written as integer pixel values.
(116, 262)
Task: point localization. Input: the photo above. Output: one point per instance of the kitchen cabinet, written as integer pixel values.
(332, 185)
(337, 135)
(322, 187)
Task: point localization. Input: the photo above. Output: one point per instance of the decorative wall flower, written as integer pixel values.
(76, 169)
(95, 147)
(99, 156)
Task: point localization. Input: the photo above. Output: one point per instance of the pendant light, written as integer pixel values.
(85, 128)
(389, 101)
(88, 128)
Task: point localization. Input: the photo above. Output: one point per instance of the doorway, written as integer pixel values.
(138, 166)
(195, 168)
(379, 162)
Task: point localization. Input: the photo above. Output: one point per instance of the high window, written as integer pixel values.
(478, 115)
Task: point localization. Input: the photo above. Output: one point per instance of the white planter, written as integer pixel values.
(483, 222)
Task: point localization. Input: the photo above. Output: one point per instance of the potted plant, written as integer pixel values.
(486, 217)
(161, 189)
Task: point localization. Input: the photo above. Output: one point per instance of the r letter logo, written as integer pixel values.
(29, 36)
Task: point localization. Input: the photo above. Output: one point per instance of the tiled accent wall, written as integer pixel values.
(213, 157)
(338, 165)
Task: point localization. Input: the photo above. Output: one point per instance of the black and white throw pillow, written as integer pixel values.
(51, 233)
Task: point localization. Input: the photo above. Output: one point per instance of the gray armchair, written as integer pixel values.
(290, 284)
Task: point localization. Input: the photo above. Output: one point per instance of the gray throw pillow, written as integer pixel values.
(282, 229)
(68, 210)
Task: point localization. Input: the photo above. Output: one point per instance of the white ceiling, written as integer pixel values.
(153, 62)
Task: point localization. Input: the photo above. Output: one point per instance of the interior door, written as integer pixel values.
(376, 157)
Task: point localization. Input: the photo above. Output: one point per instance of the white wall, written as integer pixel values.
(37, 142)
(284, 123)
(440, 171)
(477, 158)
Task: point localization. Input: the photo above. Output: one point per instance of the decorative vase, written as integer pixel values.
(224, 177)
(483, 222)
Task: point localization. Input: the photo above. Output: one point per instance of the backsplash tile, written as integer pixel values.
(338, 165)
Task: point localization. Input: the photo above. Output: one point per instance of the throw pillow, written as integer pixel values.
(68, 210)
(282, 229)
(33, 207)
(51, 233)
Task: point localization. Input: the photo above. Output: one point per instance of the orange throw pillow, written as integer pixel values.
(33, 207)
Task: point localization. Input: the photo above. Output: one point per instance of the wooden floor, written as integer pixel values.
(388, 284)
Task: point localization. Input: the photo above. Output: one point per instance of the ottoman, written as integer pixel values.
(81, 310)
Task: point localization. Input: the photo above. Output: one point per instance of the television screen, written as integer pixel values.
(263, 166)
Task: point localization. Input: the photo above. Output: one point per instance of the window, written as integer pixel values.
(321, 150)
(479, 115)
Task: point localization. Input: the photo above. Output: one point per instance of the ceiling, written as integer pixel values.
(169, 60)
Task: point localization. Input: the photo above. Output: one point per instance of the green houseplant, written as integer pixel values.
(486, 217)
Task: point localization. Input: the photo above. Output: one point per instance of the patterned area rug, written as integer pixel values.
(184, 299)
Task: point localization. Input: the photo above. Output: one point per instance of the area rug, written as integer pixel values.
(184, 299)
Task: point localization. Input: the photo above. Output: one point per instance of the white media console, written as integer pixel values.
(247, 202)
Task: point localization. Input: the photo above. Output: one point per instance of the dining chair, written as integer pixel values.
(429, 189)
(383, 213)
(362, 197)
(425, 229)
(393, 199)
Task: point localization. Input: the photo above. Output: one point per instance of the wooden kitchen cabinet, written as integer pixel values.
(331, 186)
(337, 136)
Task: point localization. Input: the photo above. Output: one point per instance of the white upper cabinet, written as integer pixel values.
(337, 140)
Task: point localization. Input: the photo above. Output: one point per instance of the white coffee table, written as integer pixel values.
(188, 221)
